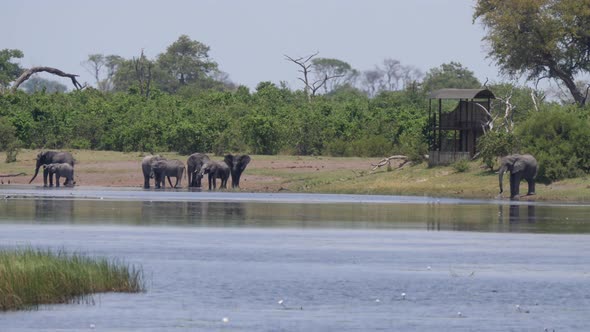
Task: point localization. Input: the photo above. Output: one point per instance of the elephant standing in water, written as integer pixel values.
(61, 170)
(237, 165)
(216, 169)
(167, 168)
(52, 157)
(194, 164)
(146, 167)
(520, 167)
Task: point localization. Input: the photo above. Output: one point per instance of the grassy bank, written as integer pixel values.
(316, 175)
(29, 278)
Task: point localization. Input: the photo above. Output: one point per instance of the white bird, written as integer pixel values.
(403, 296)
(225, 320)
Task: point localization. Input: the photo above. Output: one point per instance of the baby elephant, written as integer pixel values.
(65, 170)
(216, 169)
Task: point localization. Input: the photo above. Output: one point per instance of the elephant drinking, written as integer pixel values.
(52, 157)
(61, 170)
(215, 170)
(146, 167)
(194, 164)
(160, 169)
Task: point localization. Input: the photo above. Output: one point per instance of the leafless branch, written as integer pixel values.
(29, 72)
(387, 161)
(12, 175)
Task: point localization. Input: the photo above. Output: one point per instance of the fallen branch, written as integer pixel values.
(12, 175)
(387, 161)
(29, 72)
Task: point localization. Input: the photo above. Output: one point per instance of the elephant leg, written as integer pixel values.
(531, 183)
(146, 181)
(514, 185)
(45, 174)
(57, 180)
(169, 181)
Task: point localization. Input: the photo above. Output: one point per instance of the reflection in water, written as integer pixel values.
(516, 215)
(426, 216)
(61, 211)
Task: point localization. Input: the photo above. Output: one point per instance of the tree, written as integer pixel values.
(94, 65)
(539, 39)
(372, 81)
(9, 71)
(338, 70)
(450, 75)
(312, 86)
(186, 61)
(37, 83)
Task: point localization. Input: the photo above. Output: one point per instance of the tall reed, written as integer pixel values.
(31, 277)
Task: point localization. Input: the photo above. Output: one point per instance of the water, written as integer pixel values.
(335, 264)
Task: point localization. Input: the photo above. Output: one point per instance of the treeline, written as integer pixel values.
(277, 120)
(270, 120)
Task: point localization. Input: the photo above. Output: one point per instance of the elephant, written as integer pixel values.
(194, 164)
(519, 166)
(52, 157)
(61, 170)
(167, 168)
(237, 165)
(216, 169)
(146, 167)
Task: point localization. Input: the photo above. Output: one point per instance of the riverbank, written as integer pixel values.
(312, 175)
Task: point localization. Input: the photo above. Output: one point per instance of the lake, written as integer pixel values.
(229, 261)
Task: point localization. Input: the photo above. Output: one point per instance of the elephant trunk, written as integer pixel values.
(36, 172)
(501, 176)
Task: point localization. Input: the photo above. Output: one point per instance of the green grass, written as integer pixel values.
(32, 277)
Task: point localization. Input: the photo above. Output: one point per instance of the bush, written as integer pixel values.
(496, 144)
(413, 145)
(8, 140)
(461, 166)
(559, 140)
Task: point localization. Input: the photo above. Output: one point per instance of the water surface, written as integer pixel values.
(336, 262)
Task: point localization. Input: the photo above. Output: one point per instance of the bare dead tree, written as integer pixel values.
(29, 72)
(310, 87)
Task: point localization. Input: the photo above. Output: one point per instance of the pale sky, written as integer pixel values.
(248, 39)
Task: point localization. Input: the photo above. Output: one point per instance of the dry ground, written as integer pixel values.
(112, 169)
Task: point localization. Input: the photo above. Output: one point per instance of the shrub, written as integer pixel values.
(461, 166)
(559, 140)
(496, 144)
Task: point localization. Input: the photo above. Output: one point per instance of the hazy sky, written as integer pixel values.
(248, 39)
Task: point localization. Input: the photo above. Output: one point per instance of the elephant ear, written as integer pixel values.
(518, 166)
(229, 160)
(243, 161)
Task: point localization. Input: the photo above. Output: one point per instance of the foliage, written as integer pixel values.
(30, 277)
(9, 71)
(8, 140)
(461, 166)
(185, 62)
(539, 38)
(496, 144)
(450, 75)
(559, 140)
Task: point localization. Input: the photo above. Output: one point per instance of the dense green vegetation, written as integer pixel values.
(30, 277)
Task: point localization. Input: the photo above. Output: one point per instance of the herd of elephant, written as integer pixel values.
(198, 164)
(61, 164)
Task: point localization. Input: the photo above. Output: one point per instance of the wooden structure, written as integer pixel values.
(453, 135)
